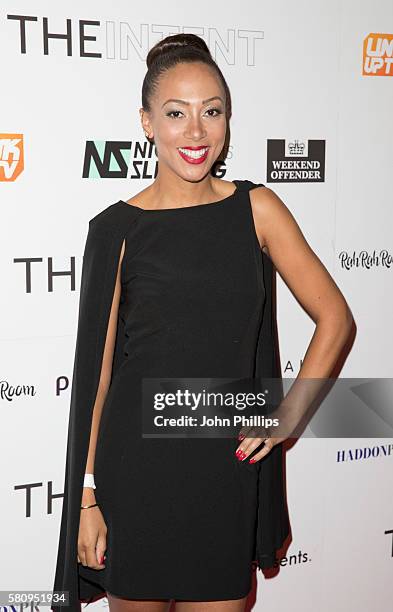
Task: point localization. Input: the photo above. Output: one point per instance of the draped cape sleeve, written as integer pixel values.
(105, 236)
(273, 525)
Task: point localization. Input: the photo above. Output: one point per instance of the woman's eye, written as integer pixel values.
(215, 110)
(171, 113)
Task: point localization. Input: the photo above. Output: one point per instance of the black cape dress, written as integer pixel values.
(185, 518)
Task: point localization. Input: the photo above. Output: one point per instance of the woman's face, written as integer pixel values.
(187, 120)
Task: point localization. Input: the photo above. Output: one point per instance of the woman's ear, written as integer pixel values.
(145, 123)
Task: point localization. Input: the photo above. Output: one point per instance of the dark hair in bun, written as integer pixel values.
(173, 50)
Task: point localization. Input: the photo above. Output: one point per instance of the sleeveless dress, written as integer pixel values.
(186, 519)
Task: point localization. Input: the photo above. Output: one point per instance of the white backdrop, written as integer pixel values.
(315, 76)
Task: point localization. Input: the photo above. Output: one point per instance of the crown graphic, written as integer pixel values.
(296, 148)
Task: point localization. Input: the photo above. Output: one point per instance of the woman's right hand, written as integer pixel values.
(92, 536)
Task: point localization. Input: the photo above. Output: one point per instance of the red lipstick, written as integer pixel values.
(194, 159)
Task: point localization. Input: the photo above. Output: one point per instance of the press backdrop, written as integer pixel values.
(311, 83)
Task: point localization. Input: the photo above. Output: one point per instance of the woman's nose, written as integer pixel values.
(195, 128)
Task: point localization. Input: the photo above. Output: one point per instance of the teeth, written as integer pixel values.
(194, 154)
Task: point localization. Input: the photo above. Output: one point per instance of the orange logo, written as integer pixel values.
(378, 55)
(11, 156)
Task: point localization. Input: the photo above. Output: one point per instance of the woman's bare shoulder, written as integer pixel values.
(223, 187)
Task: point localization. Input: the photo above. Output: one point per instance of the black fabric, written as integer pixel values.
(174, 335)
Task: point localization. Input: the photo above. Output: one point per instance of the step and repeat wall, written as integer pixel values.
(311, 83)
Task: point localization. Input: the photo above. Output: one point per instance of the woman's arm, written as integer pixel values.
(309, 281)
(306, 277)
(88, 496)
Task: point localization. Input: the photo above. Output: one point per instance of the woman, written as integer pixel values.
(176, 282)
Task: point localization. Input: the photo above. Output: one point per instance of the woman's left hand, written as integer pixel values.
(250, 443)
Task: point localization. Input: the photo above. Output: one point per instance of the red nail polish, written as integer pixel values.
(241, 437)
(252, 460)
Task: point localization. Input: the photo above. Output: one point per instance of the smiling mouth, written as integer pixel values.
(193, 154)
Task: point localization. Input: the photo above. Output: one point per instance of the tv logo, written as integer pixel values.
(11, 157)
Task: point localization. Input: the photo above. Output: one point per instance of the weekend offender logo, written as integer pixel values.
(378, 55)
(295, 160)
(11, 157)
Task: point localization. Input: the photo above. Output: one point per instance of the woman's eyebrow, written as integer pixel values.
(188, 103)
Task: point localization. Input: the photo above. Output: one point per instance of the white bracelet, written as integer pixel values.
(89, 481)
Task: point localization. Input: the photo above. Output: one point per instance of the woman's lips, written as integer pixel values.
(194, 160)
